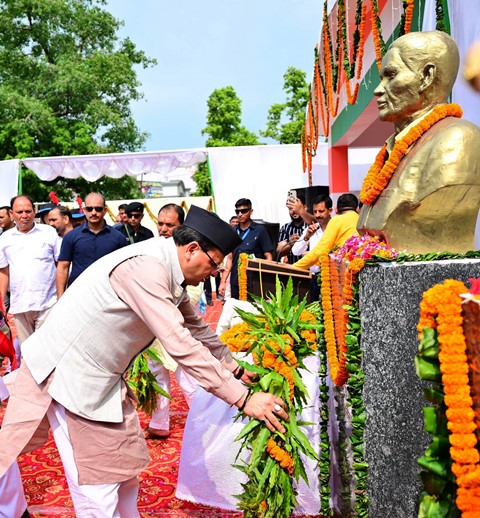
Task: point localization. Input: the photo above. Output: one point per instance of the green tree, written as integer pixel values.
(224, 128)
(285, 121)
(66, 84)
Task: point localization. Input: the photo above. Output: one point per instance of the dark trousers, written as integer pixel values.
(314, 289)
(208, 287)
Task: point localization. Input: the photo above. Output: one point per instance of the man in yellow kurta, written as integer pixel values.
(338, 230)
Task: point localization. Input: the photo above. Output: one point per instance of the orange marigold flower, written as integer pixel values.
(463, 440)
(465, 456)
(460, 415)
(462, 427)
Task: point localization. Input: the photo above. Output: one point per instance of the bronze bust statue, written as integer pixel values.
(423, 192)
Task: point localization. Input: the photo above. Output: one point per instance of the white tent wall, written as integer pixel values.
(263, 174)
(9, 171)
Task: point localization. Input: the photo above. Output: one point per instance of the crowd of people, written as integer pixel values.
(78, 328)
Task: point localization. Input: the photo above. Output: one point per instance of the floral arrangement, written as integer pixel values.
(383, 169)
(242, 276)
(238, 337)
(363, 247)
(340, 342)
(340, 64)
(143, 382)
(442, 358)
(280, 337)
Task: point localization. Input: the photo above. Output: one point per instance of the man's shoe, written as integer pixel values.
(219, 297)
(209, 302)
(153, 433)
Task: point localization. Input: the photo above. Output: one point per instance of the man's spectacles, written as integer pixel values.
(242, 211)
(130, 215)
(217, 266)
(96, 209)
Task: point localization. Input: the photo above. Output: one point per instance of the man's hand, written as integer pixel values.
(249, 377)
(311, 229)
(267, 408)
(300, 209)
(293, 238)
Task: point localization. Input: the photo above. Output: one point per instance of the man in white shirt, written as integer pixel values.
(322, 210)
(28, 257)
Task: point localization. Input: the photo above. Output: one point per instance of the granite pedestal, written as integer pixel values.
(390, 295)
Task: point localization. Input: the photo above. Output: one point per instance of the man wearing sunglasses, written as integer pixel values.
(74, 364)
(85, 244)
(255, 240)
(133, 230)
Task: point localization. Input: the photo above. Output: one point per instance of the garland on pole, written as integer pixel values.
(339, 65)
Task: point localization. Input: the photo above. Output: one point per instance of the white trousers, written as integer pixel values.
(117, 500)
(161, 417)
(12, 499)
(28, 322)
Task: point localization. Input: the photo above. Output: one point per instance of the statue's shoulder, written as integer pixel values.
(454, 131)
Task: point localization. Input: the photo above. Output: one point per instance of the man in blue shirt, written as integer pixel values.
(255, 240)
(84, 245)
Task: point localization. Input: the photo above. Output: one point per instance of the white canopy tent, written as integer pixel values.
(262, 173)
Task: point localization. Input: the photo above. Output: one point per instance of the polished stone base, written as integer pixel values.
(394, 438)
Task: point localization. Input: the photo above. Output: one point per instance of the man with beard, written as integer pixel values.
(60, 218)
(322, 210)
(290, 233)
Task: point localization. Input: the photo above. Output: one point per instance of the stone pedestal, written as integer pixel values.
(394, 438)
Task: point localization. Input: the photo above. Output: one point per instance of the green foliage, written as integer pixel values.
(144, 383)
(224, 121)
(285, 121)
(437, 498)
(202, 178)
(66, 83)
(277, 328)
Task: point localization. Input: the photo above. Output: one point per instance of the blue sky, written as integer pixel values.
(203, 45)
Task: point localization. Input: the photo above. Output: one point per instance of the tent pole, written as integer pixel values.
(211, 183)
(20, 186)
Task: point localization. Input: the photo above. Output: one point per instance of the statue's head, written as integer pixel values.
(418, 72)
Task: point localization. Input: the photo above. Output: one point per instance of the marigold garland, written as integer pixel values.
(382, 169)
(242, 276)
(441, 309)
(281, 456)
(378, 42)
(410, 5)
(335, 313)
(237, 338)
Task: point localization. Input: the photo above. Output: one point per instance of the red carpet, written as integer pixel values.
(46, 489)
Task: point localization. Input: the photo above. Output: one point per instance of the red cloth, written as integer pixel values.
(6, 343)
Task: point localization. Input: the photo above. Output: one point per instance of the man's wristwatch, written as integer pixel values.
(239, 373)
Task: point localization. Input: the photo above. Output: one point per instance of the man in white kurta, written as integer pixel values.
(28, 255)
